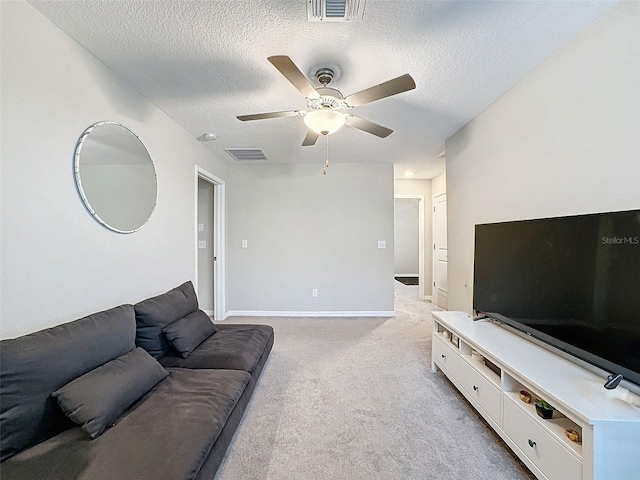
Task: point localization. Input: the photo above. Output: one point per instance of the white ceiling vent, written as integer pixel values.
(335, 10)
(246, 154)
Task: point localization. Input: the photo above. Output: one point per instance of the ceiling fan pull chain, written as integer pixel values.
(326, 154)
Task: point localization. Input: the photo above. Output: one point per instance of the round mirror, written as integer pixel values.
(115, 177)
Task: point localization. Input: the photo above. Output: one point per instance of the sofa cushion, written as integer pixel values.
(153, 314)
(233, 346)
(98, 398)
(168, 434)
(35, 365)
(187, 333)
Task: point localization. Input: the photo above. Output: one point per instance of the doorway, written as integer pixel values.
(209, 243)
(206, 246)
(409, 239)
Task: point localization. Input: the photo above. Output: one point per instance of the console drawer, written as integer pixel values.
(549, 455)
(447, 357)
(486, 395)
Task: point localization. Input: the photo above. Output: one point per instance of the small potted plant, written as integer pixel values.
(544, 409)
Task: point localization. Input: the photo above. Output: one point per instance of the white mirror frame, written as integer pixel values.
(78, 180)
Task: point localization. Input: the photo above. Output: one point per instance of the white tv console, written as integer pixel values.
(607, 420)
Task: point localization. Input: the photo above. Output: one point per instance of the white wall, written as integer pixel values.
(422, 188)
(565, 140)
(58, 263)
(406, 237)
(439, 185)
(306, 230)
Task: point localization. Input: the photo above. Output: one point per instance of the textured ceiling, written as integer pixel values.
(204, 62)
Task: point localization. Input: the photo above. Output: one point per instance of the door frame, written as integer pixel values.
(421, 285)
(219, 229)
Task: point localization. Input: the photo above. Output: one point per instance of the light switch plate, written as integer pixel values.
(382, 244)
(202, 244)
(245, 244)
(201, 227)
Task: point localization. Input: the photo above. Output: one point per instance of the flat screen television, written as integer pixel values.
(572, 282)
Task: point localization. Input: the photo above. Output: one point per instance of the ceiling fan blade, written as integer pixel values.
(262, 116)
(369, 127)
(292, 73)
(397, 85)
(310, 139)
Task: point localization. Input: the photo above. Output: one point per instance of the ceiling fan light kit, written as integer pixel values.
(325, 121)
(325, 103)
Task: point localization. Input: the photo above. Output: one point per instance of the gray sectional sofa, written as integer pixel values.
(146, 391)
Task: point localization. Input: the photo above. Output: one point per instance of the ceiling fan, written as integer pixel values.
(325, 104)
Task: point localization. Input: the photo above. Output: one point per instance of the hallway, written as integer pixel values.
(406, 301)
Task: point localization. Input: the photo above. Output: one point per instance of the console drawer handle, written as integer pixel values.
(532, 444)
(475, 388)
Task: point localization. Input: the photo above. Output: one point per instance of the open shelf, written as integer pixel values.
(450, 338)
(485, 368)
(556, 425)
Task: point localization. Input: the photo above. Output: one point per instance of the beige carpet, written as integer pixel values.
(354, 398)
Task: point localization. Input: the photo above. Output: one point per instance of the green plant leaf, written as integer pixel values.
(543, 404)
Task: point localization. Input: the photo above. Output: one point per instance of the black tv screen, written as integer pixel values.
(572, 282)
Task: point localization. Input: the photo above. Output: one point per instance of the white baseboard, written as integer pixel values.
(428, 298)
(287, 313)
(406, 275)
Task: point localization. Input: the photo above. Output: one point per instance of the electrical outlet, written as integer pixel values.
(245, 244)
(382, 244)
(202, 244)
(314, 292)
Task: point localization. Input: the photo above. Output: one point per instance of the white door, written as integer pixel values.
(440, 251)
(205, 246)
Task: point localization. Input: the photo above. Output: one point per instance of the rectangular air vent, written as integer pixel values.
(335, 10)
(246, 154)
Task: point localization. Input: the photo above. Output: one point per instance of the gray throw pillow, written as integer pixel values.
(187, 333)
(98, 398)
(153, 314)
